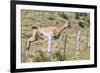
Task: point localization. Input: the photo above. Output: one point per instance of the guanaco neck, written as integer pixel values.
(62, 27)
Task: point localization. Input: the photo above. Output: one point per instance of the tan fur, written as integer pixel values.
(55, 31)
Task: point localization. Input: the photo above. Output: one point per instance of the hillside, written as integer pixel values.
(63, 48)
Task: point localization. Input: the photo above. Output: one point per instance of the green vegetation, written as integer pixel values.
(60, 50)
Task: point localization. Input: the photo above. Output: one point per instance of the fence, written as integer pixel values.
(66, 48)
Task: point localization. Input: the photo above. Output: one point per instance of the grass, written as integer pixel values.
(61, 51)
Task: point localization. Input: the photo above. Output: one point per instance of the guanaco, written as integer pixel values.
(53, 31)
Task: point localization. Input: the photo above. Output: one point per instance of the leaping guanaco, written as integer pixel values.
(49, 31)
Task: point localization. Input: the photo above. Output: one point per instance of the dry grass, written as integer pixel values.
(60, 50)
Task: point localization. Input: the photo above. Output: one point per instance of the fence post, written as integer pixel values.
(49, 48)
(24, 55)
(49, 44)
(87, 40)
(78, 42)
(65, 46)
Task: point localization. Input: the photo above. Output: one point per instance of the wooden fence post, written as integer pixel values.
(49, 44)
(65, 41)
(49, 48)
(24, 54)
(78, 42)
(87, 40)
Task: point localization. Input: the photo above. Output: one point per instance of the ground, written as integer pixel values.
(63, 48)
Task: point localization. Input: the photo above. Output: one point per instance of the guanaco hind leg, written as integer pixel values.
(29, 42)
(31, 39)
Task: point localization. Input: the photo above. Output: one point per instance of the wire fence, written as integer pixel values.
(70, 48)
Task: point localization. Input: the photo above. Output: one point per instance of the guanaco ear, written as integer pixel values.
(67, 21)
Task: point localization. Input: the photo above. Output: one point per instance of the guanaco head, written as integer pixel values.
(67, 24)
